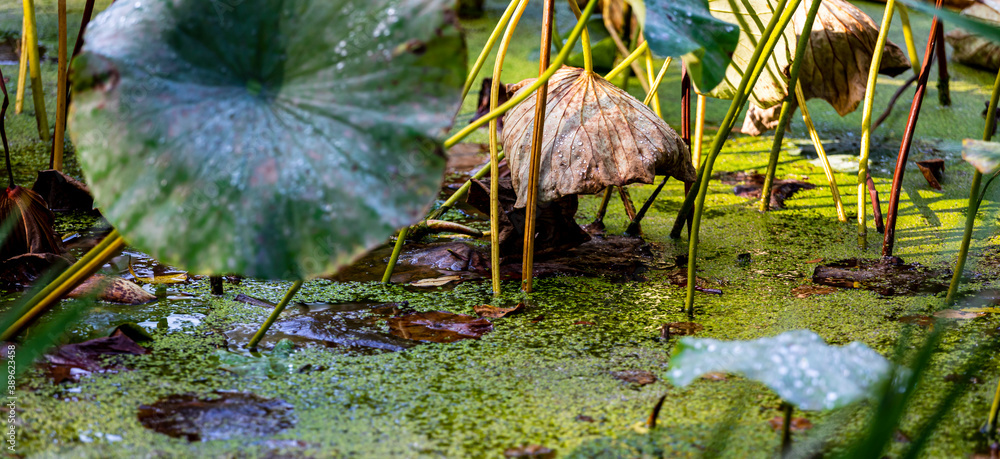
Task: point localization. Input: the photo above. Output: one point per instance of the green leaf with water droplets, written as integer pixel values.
(276, 139)
(798, 365)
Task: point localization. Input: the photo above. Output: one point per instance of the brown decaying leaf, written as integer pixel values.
(112, 289)
(933, 170)
(972, 49)
(640, 377)
(493, 312)
(63, 192)
(219, 416)
(536, 451)
(596, 135)
(835, 64)
(668, 330)
(917, 319)
(797, 425)
(31, 231)
(439, 327)
(71, 361)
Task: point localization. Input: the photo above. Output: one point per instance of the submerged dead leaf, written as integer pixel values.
(797, 425)
(596, 135)
(957, 314)
(493, 312)
(219, 416)
(71, 361)
(439, 327)
(536, 451)
(640, 377)
(834, 66)
(679, 329)
(917, 319)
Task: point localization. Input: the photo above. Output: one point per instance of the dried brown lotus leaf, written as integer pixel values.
(972, 49)
(596, 135)
(834, 67)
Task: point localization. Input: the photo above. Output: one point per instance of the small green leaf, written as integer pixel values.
(798, 365)
(983, 155)
(686, 29)
(276, 139)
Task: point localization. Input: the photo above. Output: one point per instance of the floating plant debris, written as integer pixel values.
(112, 289)
(797, 424)
(886, 276)
(750, 186)
(218, 416)
(72, 361)
(639, 377)
(493, 312)
(933, 170)
(533, 451)
(439, 327)
(679, 329)
(806, 291)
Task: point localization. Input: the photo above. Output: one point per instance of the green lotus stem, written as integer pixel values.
(649, 76)
(772, 33)
(494, 153)
(524, 93)
(85, 267)
(656, 83)
(588, 58)
(911, 45)
(22, 68)
(621, 45)
(60, 130)
(488, 47)
(699, 130)
(827, 170)
(639, 51)
(252, 345)
(394, 258)
(787, 106)
(866, 122)
(991, 422)
(974, 200)
(35, 70)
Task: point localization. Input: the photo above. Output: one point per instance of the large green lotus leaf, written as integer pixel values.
(798, 365)
(276, 138)
(835, 64)
(686, 29)
(982, 154)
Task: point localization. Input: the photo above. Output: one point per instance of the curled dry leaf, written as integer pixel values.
(112, 289)
(834, 66)
(493, 312)
(596, 135)
(972, 49)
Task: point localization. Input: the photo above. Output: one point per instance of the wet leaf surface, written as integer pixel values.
(596, 135)
(218, 416)
(349, 327)
(112, 289)
(435, 282)
(797, 425)
(533, 451)
(245, 135)
(639, 377)
(72, 361)
(798, 365)
(18, 273)
(246, 299)
(493, 312)
(888, 276)
(806, 291)
(439, 327)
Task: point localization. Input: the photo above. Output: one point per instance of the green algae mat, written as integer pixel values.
(578, 369)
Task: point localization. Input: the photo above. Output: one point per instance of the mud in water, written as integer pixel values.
(887, 276)
(219, 416)
(351, 327)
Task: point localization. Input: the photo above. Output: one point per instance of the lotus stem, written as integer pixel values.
(876, 205)
(588, 58)
(656, 83)
(35, 70)
(866, 122)
(494, 152)
(633, 228)
(649, 76)
(88, 11)
(788, 105)
(252, 345)
(893, 99)
(488, 47)
(394, 258)
(944, 89)
(685, 102)
(639, 51)
(991, 422)
(699, 130)
(970, 216)
(541, 97)
(22, 68)
(85, 267)
(889, 239)
(444, 226)
(603, 208)
(524, 93)
(786, 429)
(621, 44)
(772, 32)
(60, 130)
(814, 135)
(3, 135)
(911, 44)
